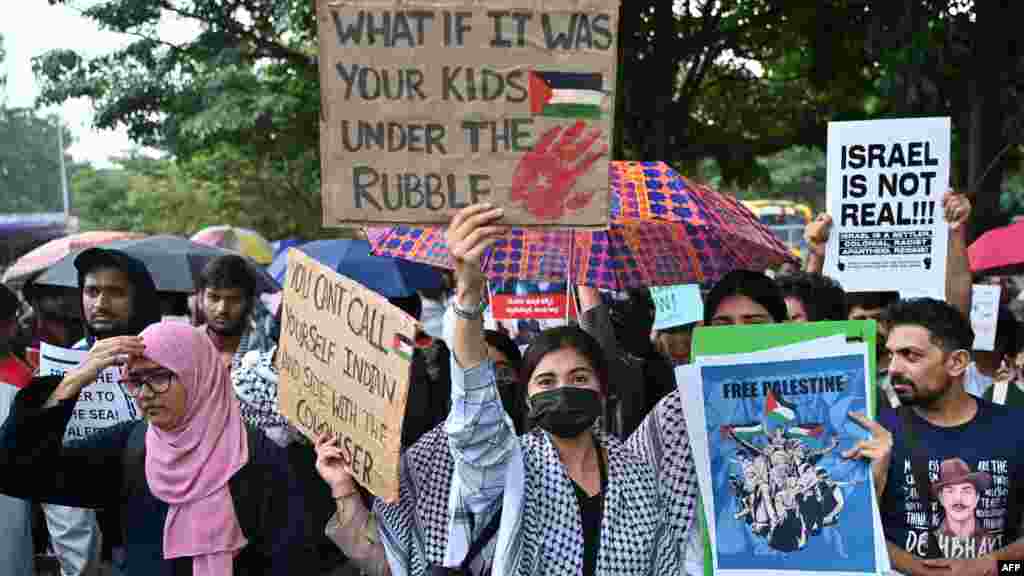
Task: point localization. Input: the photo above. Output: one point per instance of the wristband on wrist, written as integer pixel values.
(469, 313)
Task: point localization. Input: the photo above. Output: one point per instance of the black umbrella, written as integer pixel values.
(173, 262)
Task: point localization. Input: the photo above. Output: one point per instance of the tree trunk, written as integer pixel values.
(628, 23)
(993, 55)
(663, 81)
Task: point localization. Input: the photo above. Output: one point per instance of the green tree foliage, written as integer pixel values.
(164, 196)
(237, 108)
(733, 81)
(30, 180)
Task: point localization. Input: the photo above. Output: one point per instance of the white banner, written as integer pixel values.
(886, 180)
(100, 405)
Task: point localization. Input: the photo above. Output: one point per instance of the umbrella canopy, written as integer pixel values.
(664, 230)
(284, 244)
(49, 253)
(352, 258)
(242, 240)
(999, 251)
(173, 262)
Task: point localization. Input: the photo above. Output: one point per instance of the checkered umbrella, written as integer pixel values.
(664, 230)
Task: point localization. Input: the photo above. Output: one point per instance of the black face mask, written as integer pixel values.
(565, 412)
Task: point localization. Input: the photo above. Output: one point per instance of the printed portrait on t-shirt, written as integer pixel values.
(958, 492)
(968, 508)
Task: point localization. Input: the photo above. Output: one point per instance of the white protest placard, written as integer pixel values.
(676, 305)
(985, 315)
(344, 359)
(886, 180)
(100, 405)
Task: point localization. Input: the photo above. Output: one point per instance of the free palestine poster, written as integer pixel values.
(782, 495)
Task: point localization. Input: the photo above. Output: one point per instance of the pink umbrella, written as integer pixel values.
(664, 229)
(49, 253)
(999, 251)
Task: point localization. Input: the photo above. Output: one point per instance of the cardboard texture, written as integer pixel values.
(429, 106)
(344, 360)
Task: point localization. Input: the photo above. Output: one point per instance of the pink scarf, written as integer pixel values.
(189, 467)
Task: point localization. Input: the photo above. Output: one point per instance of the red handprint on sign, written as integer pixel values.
(545, 177)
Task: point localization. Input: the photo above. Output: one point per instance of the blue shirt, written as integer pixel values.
(972, 468)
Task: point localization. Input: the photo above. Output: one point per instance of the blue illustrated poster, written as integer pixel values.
(783, 495)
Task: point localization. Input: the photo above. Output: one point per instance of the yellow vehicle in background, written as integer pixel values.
(787, 219)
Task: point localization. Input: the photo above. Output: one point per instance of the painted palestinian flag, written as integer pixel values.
(778, 411)
(745, 432)
(805, 431)
(403, 346)
(566, 94)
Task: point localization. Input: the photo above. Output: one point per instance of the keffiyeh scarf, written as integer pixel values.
(542, 532)
(663, 443)
(414, 530)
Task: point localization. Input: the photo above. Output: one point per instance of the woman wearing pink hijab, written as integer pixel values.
(198, 492)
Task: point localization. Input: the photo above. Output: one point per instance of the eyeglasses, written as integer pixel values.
(158, 381)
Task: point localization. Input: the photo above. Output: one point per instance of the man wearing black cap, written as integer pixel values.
(118, 298)
(118, 295)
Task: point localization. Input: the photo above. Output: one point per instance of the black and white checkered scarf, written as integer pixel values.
(663, 443)
(541, 529)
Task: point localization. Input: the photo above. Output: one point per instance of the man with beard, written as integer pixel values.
(227, 292)
(930, 343)
(118, 298)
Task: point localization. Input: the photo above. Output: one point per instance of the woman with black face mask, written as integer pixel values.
(569, 498)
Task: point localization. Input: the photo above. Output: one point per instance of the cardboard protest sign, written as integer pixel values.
(100, 405)
(985, 315)
(886, 180)
(676, 305)
(344, 360)
(432, 105)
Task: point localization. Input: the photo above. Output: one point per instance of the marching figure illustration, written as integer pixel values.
(781, 493)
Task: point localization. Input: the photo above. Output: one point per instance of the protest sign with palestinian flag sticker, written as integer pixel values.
(566, 94)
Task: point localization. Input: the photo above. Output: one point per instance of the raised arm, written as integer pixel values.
(38, 466)
(480, 434)
(595, 319)
(816, 235)
(350, 527)
(958, 266)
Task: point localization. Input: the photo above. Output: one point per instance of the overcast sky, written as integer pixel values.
(34, 28)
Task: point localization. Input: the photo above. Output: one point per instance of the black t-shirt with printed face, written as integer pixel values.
(972, 467)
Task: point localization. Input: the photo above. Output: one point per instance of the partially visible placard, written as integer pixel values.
(985, 315)
(527, 300)
(677, 305)
(431, 105)
(100, 405)
(344, 359)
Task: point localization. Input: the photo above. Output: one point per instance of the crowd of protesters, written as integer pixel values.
(570, 455)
